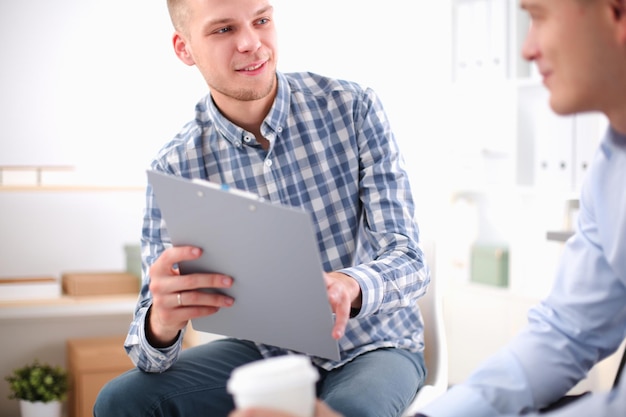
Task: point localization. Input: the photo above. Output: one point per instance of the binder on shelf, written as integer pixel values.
(498, 39)
(463, 41)
(554, 150)
(481, 28)
(29, 288)
(481, 40)
(548, 139)
(589, 129)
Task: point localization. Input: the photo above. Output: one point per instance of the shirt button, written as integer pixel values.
(280, 129)
(238, 144)
(268, 163)
(247, 139)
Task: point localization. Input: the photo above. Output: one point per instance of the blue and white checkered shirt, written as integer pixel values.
(333, 153)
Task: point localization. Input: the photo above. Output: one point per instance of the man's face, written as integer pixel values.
(233, 44)
(576, 51)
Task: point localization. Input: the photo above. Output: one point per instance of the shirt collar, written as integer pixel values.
(616, 137)
(273, 122)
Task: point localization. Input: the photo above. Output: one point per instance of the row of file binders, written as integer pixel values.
(481, 40)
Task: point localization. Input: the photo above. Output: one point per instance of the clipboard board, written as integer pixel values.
(271, 252)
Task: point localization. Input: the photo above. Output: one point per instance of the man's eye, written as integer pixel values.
(224, 30)
(263, 21)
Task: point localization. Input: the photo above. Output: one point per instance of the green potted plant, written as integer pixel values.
(41, 389)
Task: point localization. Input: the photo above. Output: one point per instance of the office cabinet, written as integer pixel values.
(92, 362)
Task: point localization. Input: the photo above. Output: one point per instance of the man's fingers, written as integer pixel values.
(340, 304)
(176, 254)
(201, 281)
(342, 314)
(202, 299)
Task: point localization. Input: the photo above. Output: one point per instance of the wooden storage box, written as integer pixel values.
(91, 363)
(99, 283)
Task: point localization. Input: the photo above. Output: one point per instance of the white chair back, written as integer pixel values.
(436, 350)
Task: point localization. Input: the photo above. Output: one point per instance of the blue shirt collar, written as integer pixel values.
(273, 122)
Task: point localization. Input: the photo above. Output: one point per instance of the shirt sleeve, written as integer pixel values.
(496, 386)
(154, 240)
(143, 355)
(395, 276)
(604, 404)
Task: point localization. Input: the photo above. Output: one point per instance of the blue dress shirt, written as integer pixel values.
(582, 321)
(332, 152)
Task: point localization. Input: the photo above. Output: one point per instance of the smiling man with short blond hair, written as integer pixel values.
(300, 139)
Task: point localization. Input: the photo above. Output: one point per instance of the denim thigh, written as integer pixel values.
(381, 383)
(194, 386)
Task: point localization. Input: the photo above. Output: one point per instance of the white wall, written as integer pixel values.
(48, 233)
(399, 48)
(90, 84)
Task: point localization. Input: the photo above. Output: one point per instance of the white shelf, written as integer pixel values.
(68, 306)
(70, 188)
(31, 178)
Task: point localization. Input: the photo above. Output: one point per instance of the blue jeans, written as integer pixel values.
(381, 383)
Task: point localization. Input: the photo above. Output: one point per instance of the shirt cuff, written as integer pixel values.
(371, 290)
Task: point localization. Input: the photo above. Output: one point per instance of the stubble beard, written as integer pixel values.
(248, 94)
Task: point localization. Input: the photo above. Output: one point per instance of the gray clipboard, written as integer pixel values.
(271, 252)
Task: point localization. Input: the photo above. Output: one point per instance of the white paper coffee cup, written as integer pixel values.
(285, 383)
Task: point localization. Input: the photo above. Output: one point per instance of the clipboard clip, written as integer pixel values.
(227, 188)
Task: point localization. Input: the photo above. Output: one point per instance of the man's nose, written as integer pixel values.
(248, 40)
(530, 51)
